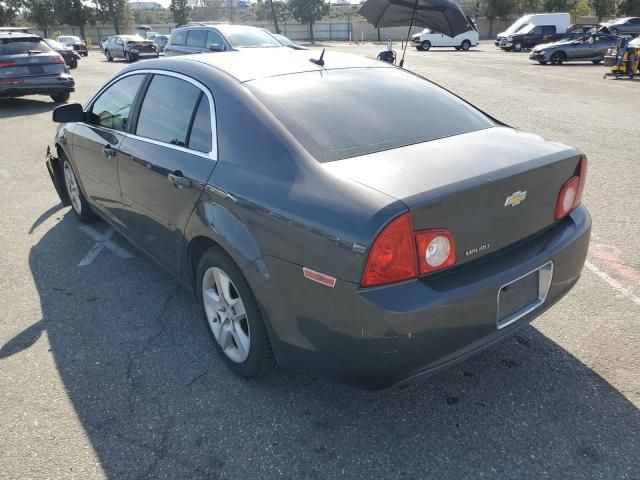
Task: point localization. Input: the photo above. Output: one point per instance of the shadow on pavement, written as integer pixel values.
(155, 400)
(20, 107)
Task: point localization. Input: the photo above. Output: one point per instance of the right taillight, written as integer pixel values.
(570, 194)
(399, 253)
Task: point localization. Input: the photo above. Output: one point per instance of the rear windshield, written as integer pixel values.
(248, 37)
(15, 46)
(338, 114)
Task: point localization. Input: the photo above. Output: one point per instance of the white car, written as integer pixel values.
(427, 39)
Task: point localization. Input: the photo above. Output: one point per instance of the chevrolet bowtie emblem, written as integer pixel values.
(515, 199)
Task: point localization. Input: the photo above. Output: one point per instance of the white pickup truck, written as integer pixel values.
(428, 38)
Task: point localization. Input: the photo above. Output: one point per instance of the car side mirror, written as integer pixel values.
(214, 47)
(71, 112)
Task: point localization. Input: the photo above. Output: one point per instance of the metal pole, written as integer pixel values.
(415, 8)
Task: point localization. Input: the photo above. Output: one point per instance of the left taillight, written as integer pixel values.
(58, 59)
(7, 63)
(570, 194)
(399, 253)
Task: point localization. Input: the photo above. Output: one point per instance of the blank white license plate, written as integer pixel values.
(523, 295)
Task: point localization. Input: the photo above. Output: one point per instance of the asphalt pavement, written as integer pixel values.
(107, 371)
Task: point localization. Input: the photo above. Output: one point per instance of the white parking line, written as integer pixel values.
(103, 240)
(613, 283)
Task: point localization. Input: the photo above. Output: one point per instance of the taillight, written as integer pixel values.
(58, 59)
(571, 192)
(392, 257)
(400, 254)
(436, 250)
(8, 63)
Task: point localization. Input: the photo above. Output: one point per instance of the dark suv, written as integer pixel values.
(531, 36)
(28, 66)
(198, 38)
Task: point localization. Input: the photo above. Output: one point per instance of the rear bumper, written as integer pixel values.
(375, 338)
(40, 85)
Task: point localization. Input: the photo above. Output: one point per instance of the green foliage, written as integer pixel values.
(9, 10)
(558, 5)
(582, 8)
(308, 11)
(629, 8)
(498, 9)
(41, 13)
(180, 10)
(602, 8)
(118, 13)
(74, 12)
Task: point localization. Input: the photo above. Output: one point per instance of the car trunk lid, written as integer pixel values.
(31, 64)
(490, 188)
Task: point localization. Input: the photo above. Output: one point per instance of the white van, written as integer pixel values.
(428, 38)
(559, 20)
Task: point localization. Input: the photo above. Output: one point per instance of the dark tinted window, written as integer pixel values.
(548, 30)
(200, 138)
(113, 106)
(179, 37)
(338, 114)
(167, 109)
(196, 38)
(14, 46)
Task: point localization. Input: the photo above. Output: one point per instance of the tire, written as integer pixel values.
(60, 97)
(542, 62)
(419, 48)
(596, 62)
(107, 54)
(517, 47)
(465, 45)
(74, 63)
(127, 57)
(426, 45)
(557, 58)
(79, 203)
(257, 359)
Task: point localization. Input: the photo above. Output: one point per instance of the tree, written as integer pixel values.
(308, 11)
(273, 11)
(9, 9)
(558, 5)
(117, 12)
(40, 12)
(630, 8)
(602, 8)
(496, 9)
(180, 9)
(580, 9)
(74, 12)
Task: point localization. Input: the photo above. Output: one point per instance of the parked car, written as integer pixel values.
(428, 38)
(28, 66)
(150, 35)
(624, 26)
(161, 42)
(578, 30)
(70, 56)
(298, 249)
(591, 48)
(130, 47)
(74, 42)
(199, 38)
(103, 42)
(287, 42)
(560, 21)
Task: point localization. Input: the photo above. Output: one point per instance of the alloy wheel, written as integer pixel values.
(557, 58)
(226, 314)
(72, 188)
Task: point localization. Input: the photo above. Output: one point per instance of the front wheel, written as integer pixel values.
(517, 46)
(78, 201)
(60, 97)
(557, 58)
(465, 45)
(426, 45)
(107, 54)
(73, 63)
(127, 57)
(232, 315)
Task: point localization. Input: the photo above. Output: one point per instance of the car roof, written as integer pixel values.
(253, 63)
(19, 35)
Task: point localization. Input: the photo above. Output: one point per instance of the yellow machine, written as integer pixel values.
(620, 63)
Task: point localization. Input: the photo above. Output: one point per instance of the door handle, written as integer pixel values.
(109, 151)
(178, 180)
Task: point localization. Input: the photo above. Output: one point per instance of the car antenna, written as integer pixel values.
(318, 61)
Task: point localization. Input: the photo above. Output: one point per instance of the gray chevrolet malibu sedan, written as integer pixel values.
(350, 219)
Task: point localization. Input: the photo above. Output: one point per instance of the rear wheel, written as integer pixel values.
(107, 54)
(60, 97)
(426, 45)
(232, 315)
(465, 45)
(78, 201)
(557, 58)
(73, 63)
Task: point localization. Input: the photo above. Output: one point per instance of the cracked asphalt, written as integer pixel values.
(107, 371)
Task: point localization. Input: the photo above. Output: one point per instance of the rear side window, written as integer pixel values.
(214, 37)
(168, 110)
(113, 106)
(200, 135)
(179, 37)
(196, 38)
(15, 46)
(344, 113)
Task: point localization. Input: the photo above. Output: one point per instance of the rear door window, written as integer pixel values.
(196, 38)
(214, 38)
(179, 37)
(168, 110)
(113, 107)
